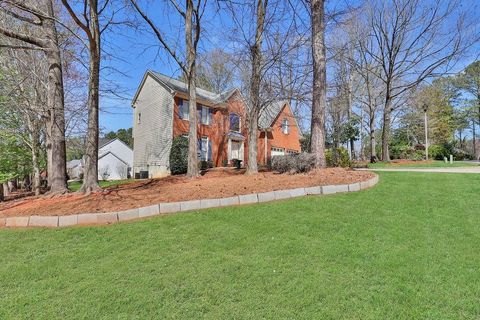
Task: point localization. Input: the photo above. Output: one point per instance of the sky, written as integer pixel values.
(129, 52)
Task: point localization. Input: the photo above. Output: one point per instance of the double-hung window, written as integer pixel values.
(204, 115)
(234, 122)
(204, 149)
(183, 109)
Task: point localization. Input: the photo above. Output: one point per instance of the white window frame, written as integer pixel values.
(205, 111)
(239, 122)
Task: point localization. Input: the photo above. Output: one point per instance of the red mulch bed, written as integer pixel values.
(217, 183)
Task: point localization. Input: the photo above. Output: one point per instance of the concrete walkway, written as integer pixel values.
(437, 170)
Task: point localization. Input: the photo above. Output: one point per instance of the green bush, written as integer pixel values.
(438, 152)
(338, 157)
(179, 155)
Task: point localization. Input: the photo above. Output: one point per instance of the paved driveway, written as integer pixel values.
(438, 170)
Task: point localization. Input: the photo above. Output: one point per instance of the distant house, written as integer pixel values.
(161, 112)
(115, 160)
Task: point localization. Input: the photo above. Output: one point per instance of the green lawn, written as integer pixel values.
(75, 186)
(407, 249)
(433, 164)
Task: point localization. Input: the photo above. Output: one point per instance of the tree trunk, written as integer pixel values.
(319, 83)
(90, 177)
(1, 192)
(387, 113)
(35, 161)
(373, 142)
(192, 161)
(254, 108)
(55, 101)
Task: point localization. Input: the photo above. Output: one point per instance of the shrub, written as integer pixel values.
(338, 157)
(293, 163)
(438, 152)
(179, 155)
(224, 163)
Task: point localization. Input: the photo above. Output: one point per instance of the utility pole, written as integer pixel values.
(425, 108)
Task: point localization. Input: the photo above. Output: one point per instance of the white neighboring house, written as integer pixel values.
(115, 160)
(75, 168)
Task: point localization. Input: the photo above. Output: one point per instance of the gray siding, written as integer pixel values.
(153, 135)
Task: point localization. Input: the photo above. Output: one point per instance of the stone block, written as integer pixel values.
(190, 205)
(66, 221)
(230, 201)
(266, 196)
(298, 192)
(17, 221)
(43, 221)
(87, 219)
(107, 218)
(128, 215)
(248, 198)
(313, 190)
(149, 211)
(209, 203)
(282, 194)
(169, 207)
(354, 187)
(335, 189)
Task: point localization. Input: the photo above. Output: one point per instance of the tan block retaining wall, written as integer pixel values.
(171, 207)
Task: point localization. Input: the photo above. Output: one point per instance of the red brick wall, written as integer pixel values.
(219, 127)
(216, 131)
(276, 138)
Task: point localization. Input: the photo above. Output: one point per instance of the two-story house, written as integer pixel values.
(161, 112)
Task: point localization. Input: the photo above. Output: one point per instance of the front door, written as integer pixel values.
(236, 146)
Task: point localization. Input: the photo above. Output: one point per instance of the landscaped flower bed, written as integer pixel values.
(215, 184)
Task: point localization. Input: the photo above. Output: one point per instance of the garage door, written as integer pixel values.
(277, 152)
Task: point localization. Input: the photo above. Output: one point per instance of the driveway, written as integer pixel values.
(437, 170)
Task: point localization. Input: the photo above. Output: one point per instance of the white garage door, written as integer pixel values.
(277, 152)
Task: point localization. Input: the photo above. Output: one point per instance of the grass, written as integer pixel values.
(406, 249)
(432, 164)
(75, 186)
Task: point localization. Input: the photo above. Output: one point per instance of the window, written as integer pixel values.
(277, 151)
(204, 115)
(139, 118)
(292, 152)
(204, 149)
(183, 109)
(234, 122)
(285, 127)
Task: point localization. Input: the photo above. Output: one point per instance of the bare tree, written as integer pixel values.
(192, 15)
(319, 82)
(41, 19)
(413, 40)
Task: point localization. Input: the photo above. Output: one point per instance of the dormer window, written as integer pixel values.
(285, 127)
(234, 122)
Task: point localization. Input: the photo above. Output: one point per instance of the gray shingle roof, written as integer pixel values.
(269, 113)
(180, 86)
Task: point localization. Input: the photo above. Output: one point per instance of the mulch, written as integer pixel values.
(218, 183)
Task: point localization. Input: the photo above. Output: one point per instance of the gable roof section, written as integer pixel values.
(105, 142)
(177, 86)
(270, 113)
(113, 154)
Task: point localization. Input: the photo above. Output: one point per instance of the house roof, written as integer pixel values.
(178, 86)
(270, 113)
(73, 163)
(113, 154)
(104, 142)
